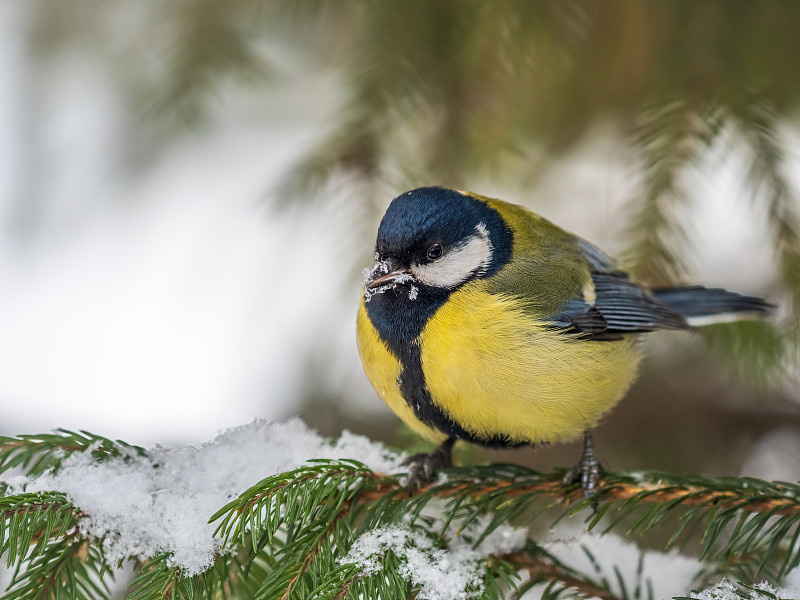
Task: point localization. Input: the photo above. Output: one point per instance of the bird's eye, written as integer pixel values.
(435, 252)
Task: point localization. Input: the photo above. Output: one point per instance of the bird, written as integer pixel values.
(482, 321)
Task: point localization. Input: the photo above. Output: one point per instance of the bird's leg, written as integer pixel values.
(587, 470)
(423, 466)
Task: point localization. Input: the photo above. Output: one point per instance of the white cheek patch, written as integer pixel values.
(470, 257)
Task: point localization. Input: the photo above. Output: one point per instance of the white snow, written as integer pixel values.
(670, 573)
(381, 267)
(442, 574)
(143, 506)
(727, 591)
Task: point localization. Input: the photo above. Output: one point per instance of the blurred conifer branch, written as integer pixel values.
(289, 534)
(759, 123)
(444, 89)
(670, 138)
(444, 92)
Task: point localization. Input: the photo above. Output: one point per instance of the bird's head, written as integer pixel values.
(436, 238)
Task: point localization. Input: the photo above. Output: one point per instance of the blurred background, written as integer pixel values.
(188, 191)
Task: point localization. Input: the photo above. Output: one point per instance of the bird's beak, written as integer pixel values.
(400, 276)
(385, 272)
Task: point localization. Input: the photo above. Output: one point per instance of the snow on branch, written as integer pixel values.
(145, 503)
(276, 511)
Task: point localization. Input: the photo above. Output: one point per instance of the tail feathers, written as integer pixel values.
(705, 306)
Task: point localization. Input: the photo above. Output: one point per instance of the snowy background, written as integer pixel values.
(157, 297)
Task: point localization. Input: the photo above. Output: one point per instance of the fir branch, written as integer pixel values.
(350, 582)
(746, 566)
(768, 513)
(70, 569)
(36, 454)
(289, 532)
(346, 587)
(230, 576)
(156, 580)
(305, 501)
(294, 497)
(30, 522)
(481, 482)
(237, 575)
(322, 538)
(39, 533)
(504, 488)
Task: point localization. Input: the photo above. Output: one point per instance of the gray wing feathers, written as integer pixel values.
(627, 306)
(705, 306)
(620, 306)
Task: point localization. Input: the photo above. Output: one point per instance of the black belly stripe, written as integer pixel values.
(399, 322)
(415, 392)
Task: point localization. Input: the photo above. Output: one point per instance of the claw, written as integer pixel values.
(587, 470)
(424, 466)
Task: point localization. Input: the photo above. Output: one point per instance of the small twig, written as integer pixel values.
(343, 592)
(74, 549)
(169, 589)
(28, 508)
(310, 557)
(550, 572)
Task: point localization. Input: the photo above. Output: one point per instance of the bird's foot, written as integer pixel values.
(588, 469)
(423, 466)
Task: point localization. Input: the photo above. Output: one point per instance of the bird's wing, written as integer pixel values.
(612, 304)
(607, 304)
(573, 285)
(619, 306)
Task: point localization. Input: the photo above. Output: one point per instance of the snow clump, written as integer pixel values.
(145, 505)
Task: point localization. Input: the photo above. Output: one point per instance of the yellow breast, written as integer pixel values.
(496, 370)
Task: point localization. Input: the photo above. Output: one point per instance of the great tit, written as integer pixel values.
(482, 321)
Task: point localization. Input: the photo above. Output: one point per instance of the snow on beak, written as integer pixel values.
(386, 275)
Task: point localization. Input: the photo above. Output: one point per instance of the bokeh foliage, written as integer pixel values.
(447, 91)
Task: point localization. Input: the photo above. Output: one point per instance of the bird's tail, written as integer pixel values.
(705, 306)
